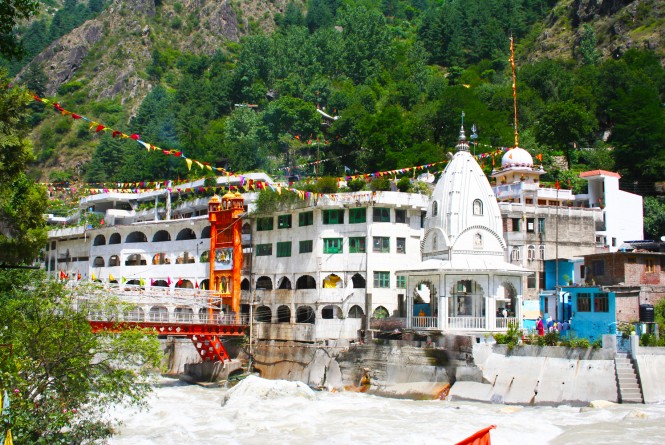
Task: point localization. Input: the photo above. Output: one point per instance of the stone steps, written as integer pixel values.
(628, 381)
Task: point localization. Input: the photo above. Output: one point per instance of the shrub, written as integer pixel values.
(551, 338)
(380, 185)
(327, 184)
(355, 185)
(404, 184)
(511, 338)
(579, 343)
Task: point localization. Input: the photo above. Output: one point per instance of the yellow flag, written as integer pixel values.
(93, 277)
(8, 438)
(111, 277)
(189, 163)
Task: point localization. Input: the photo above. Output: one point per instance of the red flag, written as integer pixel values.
(556, 184)
(168, 281)
(196, 285)
(481, 437)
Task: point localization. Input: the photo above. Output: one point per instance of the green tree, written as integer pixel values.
(563, 123)
(22, 201)
(63, 378)
(11, 13)
(588, 50)
(654, 217)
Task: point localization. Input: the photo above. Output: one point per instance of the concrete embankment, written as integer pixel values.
(540, 376)
(650, 363)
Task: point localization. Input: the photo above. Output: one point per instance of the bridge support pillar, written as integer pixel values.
(211, 371)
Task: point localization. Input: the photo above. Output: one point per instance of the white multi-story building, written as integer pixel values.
(331, 262)
(544, 224)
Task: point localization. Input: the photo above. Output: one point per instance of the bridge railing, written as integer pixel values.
(169, 318)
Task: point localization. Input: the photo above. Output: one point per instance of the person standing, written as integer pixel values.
(539, 327)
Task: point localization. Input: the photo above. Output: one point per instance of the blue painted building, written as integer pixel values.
(592, 310)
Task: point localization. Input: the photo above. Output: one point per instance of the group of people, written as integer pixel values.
(550, 325)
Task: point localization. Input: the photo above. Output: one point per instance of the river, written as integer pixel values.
(263, 412)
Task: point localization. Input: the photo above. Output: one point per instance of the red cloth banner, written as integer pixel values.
(481, 437)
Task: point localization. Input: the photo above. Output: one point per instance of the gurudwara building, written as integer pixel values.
(463, 282)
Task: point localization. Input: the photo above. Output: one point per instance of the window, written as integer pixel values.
(400, 216)
(305, 219)
(263, 249)
(541, 252)
(531, 253)
(381, 244)
(515, 254)
(357, 216)
(381, 279)
(477, 207)
(650, 265)
(614, 242)
(541, 225)
(264, 223)
(598, 268)
(530, 225)
(401, 245)
(435, 208)
(401, 281)
(516, 224)
(583, 302)
(531, 281)
(601, 303)
(335, 216)
(284, 221)
(283, 249)
(423, 215)
(380, 214)
(332, 245)
(357, 245)
(306, 246)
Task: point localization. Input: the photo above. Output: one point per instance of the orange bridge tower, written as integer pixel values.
(226, 248)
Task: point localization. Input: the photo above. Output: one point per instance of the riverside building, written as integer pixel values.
(330, 266)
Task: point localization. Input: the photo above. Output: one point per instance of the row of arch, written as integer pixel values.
(159, 236)
(138, 259)
(303, 282)
(306, 314)
(179, 284)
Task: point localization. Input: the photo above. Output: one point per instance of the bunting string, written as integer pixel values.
(244, 185)
(98, 127)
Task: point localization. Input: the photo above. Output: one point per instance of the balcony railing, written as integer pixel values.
(503, 323)
(467, 323)
(419, 322)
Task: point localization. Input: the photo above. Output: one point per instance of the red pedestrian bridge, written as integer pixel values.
(195, 314)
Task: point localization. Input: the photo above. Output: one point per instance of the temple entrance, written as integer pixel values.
(425, 305)
(506, 305)
(467, 308)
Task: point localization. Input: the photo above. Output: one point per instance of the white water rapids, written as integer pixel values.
(263, 412)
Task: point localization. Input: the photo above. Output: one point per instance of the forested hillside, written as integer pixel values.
(238, 85)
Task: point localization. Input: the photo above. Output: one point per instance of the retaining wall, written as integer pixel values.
(540, 376)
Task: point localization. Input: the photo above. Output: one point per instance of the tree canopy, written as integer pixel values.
(62, 378)
(22, 201)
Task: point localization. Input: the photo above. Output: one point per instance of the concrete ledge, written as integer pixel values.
(650, 364)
